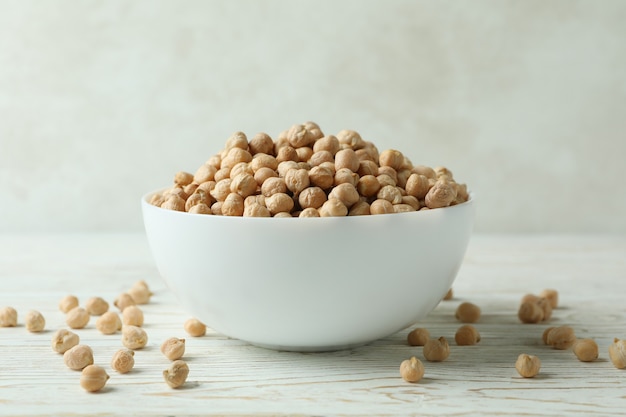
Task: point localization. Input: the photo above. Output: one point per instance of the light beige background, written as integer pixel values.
(102, 101)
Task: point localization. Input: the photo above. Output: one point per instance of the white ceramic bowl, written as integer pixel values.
(309, 284)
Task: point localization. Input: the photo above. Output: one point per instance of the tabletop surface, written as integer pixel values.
(230, 377)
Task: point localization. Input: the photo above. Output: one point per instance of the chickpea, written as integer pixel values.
(297, 180)
(298, 136)
(200, 209)
(411, 201)
(287, 153)
(237, 140)
(134, 337)
(77, 318)
(123, 361)
(67, 303)
(403, 177)
(285, 166)
(176, 375)
(390, 193)
(314, 131)
(261, 143)
(552, 296)
(221, 174)
(346, 193)
(63, 340)
(234, 156)
(8, 317)
(309, 212)
(546, 307)
(436, 350)
(467, 335)
(345, 176)
(233, 205)
(428, 172)
(417, 186)
(561, 338)
(391, 158)
(216, 208)
(124, 300)
(544, 336)
(319, 157)
(586, 350)
(403, 208)
(304, 153)
(350, 139)
(256, 210)
(34, 321)
(321, 176)
(346, 158)
(327, 143)
(530, 312)
(194, 327)
(93, 378)
(442, 194)
(333, 208)
(467, 313)
(173, 348)
(617, 353)
(412, 370)
(360, 208)
(384, 179)
(174, 202)
(243, 184)
(109, 323)
(367, 167)
(283, 214)
(221, 190)
(96, 306)
(312, 197)
(381, 206)
(261, 161)
(140, 292)
(262, 174)
(368, 186)
(273, 185)
(530, 298)
(132, 315)
(78, 357)
(418, 336)
(527, 366)
(183, 178)
(205, 173)
(279, 202)
(390, 172)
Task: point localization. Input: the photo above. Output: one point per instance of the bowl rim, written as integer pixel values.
(145, 202)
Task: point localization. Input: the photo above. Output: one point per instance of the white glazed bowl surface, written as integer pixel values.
(309, 284)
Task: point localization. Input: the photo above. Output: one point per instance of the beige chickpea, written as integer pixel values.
(235, 156)
(333, 208)
(189, 189)
(221, 190)
(207, 187)
(183, 178)
(274, 185)
(132, 315)
(285, 166)
(134, 337)
(176, 375)
(617, 353)
(243, 184)
(442, 194)
(467, 335)
(417, 186)
(530, 298)
(467, 313)
(390, 193)
(345, 176)
(93, 378)
(261, 143)
(527, 366)
(241, 168)
(263, 161)
(77, 318)
(346, 193)
(312, 197)
(297, 180)
(403, 178)
(237, 140)
(304, 153)
(233, 205)
(320, 157)
(321, 176)
(314, 130)
(436, 350)
(346, 158)
(140, 292)
(8, 317)
(216, 208)
(530, 312)
(256, 210)
(562, 337)
(200, 209)
(124, 300)
(360, 208)
(546, 307)
(368, 186)
(215, 160)
(123, 361)
(287, 153)
(109, 322)
(586, 350)
(194, 327)
(279, 202)
(411, 201)
(96, 306)
(68, 302)
(263, 174)
(385, 179)
(350, 139)
(544, 336)
(428, 172)
(34, 321)
(205, 173)
(418, 336)
(328, 143)
(78, 357)
(221, 174)
(63, 340)
(173, 348)
(309, 212)
(391, 158)
(155, 200)
(174, 202)
(552, 296)
(412, 370)
(367, 167)
(392, 173)
(298, 136)
(381, 206)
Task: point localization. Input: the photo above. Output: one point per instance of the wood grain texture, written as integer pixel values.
(229, 377)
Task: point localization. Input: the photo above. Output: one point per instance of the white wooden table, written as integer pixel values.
(229, 377)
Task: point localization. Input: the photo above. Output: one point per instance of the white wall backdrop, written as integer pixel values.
(102, 101)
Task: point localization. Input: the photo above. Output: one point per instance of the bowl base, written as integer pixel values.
(308, 349)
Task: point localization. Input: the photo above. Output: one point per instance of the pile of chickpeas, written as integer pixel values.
(305, 173)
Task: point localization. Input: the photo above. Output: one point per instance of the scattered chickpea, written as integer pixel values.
(467, 335)
(109, 323)
(124, 300)
(561, 338)
(529, 298)
(436, 350)
(546, 307)
(552, 296)
(467, 313)
(77, 318)
(176, 375)
(527, 366)
(34, 321)
(173, 348)
(67, 303)
(418, 337)
(617, 353)
(530, 312)
(123, 361)
(134, 337)
(140, 292)
(8, 317)
(78, 357)
(586, 350)
(96, 306)
(412, 370)
(544, 336)
(93, 378)
(132, 315)
(63, 340)
(194, 327)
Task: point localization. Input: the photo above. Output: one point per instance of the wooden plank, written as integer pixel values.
(229, 377)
